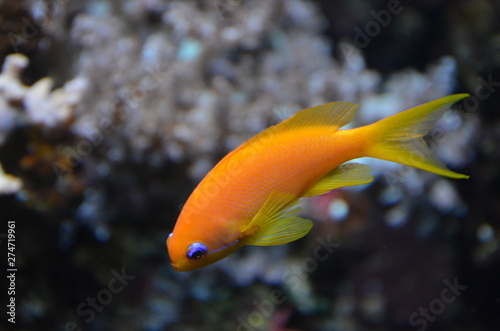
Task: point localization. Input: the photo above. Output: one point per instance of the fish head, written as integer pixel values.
(191, 247)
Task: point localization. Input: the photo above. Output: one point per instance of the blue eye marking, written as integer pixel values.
(196, 251)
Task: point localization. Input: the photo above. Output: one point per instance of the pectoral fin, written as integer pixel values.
(277, 222)
(347, 174)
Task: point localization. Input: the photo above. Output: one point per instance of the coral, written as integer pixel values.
(10, 85)
(8, 183)
(51, 108)
(176, 85)
(41, 105)
(11, 91)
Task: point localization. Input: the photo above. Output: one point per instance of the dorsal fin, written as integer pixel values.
(333, 114)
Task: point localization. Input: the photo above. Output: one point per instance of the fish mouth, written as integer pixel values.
(176, 267)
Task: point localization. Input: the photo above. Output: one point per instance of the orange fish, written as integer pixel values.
(251, 196)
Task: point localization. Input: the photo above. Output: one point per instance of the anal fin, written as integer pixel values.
(347, 174)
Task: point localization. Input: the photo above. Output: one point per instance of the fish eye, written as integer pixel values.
(195, 251)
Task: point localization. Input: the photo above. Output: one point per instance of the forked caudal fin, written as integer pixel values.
(399, 138)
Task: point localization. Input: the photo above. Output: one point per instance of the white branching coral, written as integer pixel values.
(51, 108)
(41, 104)
(208, 80)
(8, 183)
(11, 88)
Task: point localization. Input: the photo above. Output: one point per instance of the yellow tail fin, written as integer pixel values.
(399, 138)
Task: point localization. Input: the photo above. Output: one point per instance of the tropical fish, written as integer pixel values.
(251, 196)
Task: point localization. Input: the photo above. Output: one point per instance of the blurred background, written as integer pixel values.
(112, 111)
